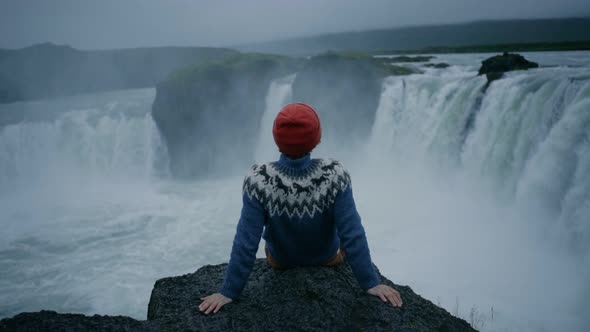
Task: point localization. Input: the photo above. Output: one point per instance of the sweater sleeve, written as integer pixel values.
(353, 238)
(245, 246)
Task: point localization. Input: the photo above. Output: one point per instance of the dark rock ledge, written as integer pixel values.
(495, 67)
(302, 299)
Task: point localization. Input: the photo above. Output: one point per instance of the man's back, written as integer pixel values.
(298, 197)
(304, 224)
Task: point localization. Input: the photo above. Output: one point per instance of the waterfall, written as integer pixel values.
(557, 176)
(279, 94)
(527, 136)
(517, 115)
(112, 141)
(422, 118)
(532, 140)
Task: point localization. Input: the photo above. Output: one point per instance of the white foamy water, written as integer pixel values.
(116, 138)
(279, 94)
(478, 201)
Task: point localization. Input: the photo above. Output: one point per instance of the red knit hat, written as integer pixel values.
(296, 129)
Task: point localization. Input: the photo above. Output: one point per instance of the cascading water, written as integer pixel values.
(77, 179)
(113, 141)
(518, 113)
(279, 93)
(511, 162)
(529, 139)
(556, 178)
(423, 117)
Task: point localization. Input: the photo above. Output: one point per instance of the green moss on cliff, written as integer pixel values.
(395, 70)
(380, 66)
(240, 62)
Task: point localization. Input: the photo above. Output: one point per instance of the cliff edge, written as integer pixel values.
(301, 299)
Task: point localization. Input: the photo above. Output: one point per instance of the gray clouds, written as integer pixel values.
(132, 23)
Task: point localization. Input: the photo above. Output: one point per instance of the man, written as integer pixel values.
(305, 211)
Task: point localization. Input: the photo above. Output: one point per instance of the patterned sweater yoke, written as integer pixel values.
(286, 191)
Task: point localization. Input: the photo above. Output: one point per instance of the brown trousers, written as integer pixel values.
(335, 260)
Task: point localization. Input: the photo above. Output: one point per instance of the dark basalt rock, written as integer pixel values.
(440, 65)
(300, 299)
(196, 109)
(53, 321)
(344, 88)
(496, 66)
(210, 113)
(405, 58)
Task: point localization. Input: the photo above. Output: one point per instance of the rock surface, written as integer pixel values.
(195, 109)
(345, 90)
(496, 66)
(406, 58)
(301, 299)
(440, 65)
(53, 321)
(211, 113)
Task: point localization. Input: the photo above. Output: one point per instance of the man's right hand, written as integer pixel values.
(386, 294)
(213, 303)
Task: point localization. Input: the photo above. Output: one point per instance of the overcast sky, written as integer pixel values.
(99, 24)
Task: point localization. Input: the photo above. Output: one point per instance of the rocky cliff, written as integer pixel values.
(345, 90)
(209, 114)
(300, 299)
(197, 108)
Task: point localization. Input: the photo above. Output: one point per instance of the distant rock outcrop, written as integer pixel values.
(496, 66)
(196, 108)
(300, 299)
(406, 58)
(440, 65)
(210, 114)
(345, 89)
(49, 70)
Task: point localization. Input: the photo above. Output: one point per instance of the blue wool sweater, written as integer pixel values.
(305, 211)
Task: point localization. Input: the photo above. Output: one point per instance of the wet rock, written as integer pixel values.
(440, 65)
(345, 89)
(210, 113)
(196, 108)
(496, 66)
